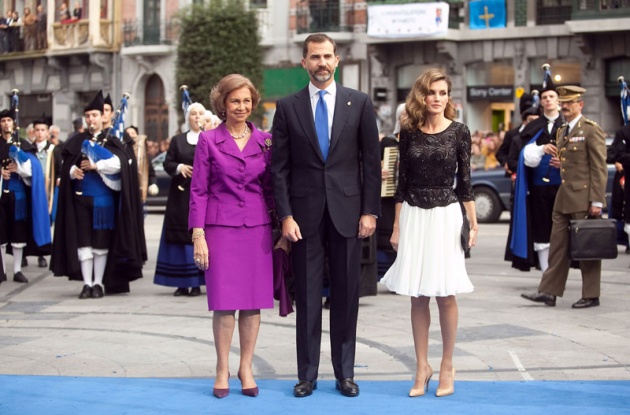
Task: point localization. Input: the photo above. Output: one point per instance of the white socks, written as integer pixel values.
(93, 259)
(100, 261)
(17, 259)
(543, 259)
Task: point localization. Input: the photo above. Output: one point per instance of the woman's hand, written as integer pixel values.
(394, 239)
(201, 256)
(472, 241)
(186, 171)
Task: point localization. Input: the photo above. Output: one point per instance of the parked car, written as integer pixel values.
(163, 182)
(492, 192)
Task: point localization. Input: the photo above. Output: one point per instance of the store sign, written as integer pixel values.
(490, 93)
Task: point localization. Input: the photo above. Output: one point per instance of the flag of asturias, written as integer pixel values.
(485, 14)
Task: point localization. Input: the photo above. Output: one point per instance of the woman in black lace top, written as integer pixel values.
(430, 231)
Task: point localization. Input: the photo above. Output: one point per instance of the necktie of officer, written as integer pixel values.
(321, 124)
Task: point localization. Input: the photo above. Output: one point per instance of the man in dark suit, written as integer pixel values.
(580, 154)
(326, 178)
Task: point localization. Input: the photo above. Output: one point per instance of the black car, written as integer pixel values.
(492, 192)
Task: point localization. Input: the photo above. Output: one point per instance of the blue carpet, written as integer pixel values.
(54, 395)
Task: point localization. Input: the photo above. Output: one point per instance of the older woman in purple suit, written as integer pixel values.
(230, 219)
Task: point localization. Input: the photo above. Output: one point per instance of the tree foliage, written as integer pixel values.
(217, 39)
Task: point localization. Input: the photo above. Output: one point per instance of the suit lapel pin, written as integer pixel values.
(349, 103)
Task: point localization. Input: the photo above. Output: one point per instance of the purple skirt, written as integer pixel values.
(240, 275)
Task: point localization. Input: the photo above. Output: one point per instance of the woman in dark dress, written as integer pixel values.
(174, 265)
(429, 232)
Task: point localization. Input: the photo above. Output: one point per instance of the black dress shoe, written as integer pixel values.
(304, 388)
(86, 292)
(548, 299)
(41, 262)
(180, 291)
(347, 387)
(97, 291)
(195, 291)
(24, 262)
(586, 303)
(19, 277)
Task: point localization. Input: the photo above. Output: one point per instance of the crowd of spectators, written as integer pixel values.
(29, 32)
(484, 148)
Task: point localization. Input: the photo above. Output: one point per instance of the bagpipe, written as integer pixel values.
(624, 97)
(14, 140)
(94, 151)
(118, 125)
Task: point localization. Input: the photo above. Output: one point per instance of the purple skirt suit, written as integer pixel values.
(230, 197)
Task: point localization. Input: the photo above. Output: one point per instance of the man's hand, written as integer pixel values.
(554, 162)
(595, 211)
(290, 229)
(550, 149)
(367, 226)
(87, 165)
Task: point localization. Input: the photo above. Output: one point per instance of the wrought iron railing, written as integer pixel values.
(325, 16)
(139, 32)
(597, 9)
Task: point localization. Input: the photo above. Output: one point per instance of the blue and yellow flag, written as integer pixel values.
(485, 14)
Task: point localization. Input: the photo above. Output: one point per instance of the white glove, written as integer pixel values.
(153, 190)
(626, 228)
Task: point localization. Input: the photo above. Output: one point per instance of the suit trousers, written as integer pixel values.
(554, 279)
(344, 259)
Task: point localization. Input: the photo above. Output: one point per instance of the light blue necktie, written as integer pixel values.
(321, 124)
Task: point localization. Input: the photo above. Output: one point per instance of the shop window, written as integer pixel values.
(494, 73)
(614, 68)
(563, 72)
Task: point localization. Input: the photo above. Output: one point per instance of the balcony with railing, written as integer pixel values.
(325, 16)
(559, 11)
(150, 33)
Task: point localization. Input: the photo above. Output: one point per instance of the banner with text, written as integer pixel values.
(408, 20)
(490, 93)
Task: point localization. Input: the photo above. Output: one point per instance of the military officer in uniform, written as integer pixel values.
(581, 156)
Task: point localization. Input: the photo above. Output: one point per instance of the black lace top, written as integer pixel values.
(429, 164)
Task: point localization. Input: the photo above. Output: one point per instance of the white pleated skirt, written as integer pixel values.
(430, 260)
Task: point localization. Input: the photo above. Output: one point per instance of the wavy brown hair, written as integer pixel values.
(229, 83)
(415, 108)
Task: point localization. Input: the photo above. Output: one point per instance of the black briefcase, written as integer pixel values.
(592, 239)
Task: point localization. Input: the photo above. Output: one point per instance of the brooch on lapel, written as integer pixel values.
(349, 103)
(267, 144)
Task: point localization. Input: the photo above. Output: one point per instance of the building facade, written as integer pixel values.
(131, 46)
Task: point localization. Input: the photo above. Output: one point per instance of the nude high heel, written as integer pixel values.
(449, 390)
(413, 392)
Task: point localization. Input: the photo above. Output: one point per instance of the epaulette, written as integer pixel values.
(591, 122)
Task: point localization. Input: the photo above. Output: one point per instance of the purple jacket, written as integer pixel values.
(230, 187)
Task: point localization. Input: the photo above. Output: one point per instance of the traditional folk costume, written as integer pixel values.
(175, 267)
(535, 189)
(99, 231)
(24, 220)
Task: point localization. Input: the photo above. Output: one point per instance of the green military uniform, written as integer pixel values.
(582, 153)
